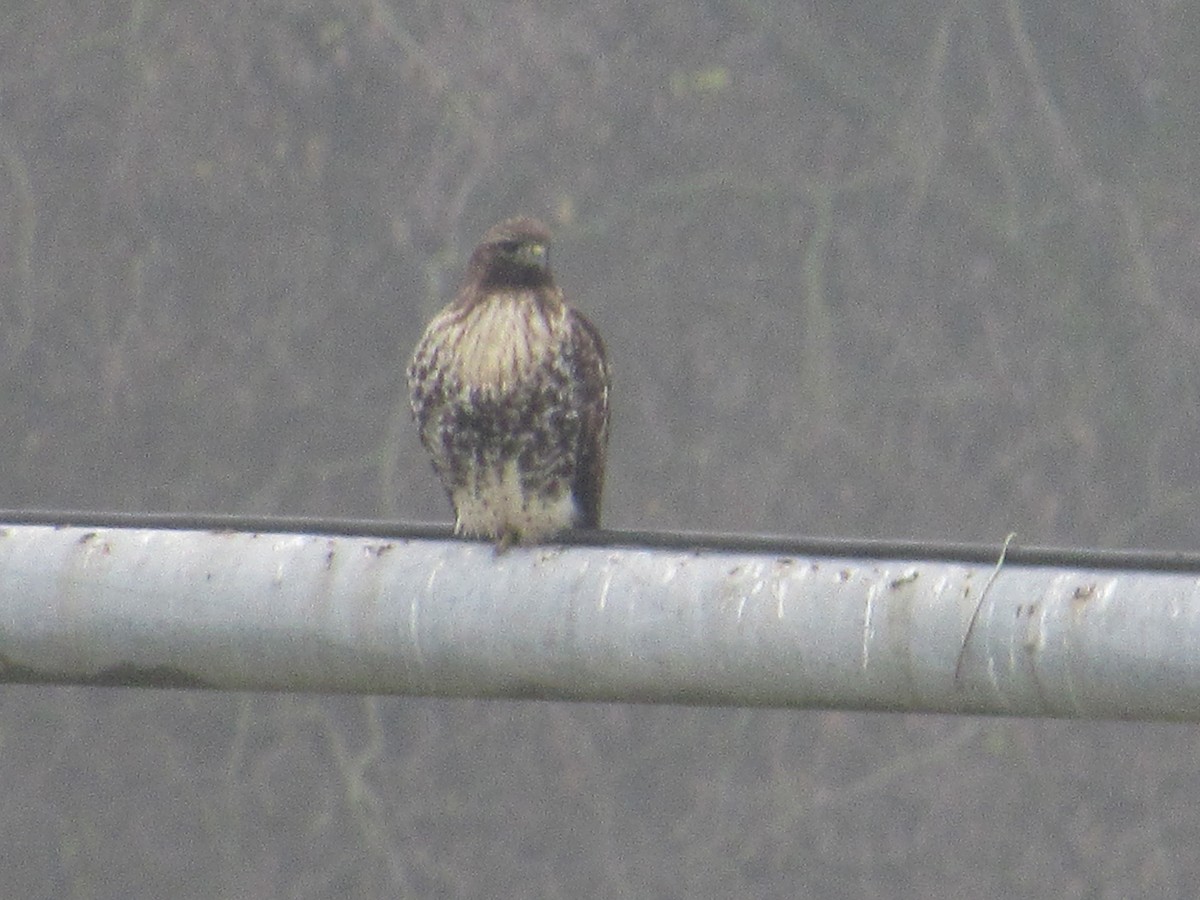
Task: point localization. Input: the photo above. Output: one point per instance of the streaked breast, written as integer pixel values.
(499, 342)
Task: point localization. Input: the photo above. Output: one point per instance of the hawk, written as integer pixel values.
(509, 389)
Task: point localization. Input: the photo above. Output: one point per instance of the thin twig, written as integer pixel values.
(962, 652)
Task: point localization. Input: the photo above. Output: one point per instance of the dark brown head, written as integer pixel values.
(513, 254)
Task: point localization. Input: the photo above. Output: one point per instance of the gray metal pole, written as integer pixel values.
(304, 612)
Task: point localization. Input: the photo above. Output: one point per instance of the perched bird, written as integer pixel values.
(509, 389)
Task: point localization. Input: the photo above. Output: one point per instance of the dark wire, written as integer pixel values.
(772, 545)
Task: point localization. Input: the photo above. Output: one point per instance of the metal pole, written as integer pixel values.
(232, 610)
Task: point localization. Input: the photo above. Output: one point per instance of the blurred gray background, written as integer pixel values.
(921, 270)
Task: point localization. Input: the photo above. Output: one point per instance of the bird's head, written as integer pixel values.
(513, 254)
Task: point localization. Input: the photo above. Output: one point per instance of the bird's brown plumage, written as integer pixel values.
(509, 388)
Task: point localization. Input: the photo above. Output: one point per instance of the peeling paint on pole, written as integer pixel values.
(334, 613)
